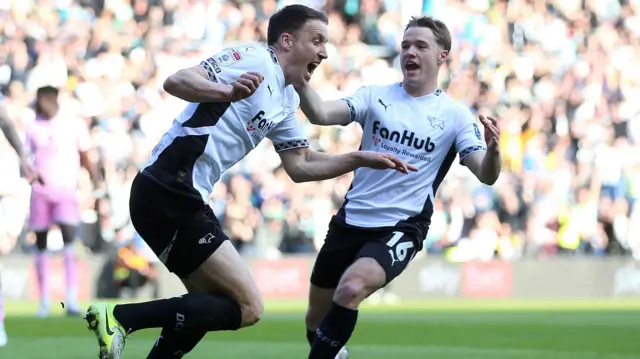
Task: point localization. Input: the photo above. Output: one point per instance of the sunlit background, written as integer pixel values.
(559, 230)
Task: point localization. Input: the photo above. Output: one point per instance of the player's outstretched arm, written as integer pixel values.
(306, 165)
(323, 113)
(194, 85)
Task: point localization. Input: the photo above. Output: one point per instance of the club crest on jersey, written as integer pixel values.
(406, 138)
(229, 57)
(434, 122)
(476, 129)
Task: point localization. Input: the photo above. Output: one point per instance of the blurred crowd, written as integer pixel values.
(559, 74)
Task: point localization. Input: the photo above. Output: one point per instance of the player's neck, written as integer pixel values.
(47, 115)
(282, 61)
(420, 89)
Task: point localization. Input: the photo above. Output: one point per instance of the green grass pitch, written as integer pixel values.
(453, 329)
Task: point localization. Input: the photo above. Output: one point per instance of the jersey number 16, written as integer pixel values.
(398, 251)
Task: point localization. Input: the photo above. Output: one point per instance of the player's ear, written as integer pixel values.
(286, 41)
(443, 57)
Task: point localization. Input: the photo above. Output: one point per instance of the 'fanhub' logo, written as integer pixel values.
(258, 122)
(405, 138)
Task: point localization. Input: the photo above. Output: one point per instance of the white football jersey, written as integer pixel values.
(208, 138)
(427, 132)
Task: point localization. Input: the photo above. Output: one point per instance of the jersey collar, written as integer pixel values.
(435, 94)
(279, 72)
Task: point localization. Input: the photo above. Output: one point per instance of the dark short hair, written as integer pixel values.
(439, 29)
(290, 19)
(47, 90)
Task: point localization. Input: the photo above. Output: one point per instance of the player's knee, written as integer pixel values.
(351, 292)
(251, 305)
(363, 278)
(252, 311)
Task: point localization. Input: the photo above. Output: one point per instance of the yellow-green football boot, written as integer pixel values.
(110, 333)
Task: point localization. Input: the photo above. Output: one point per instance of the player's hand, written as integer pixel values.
(491, 133)
(29, 173)
(245, 86)
(382, 161)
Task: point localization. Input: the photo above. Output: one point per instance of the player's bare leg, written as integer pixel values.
(363, 278)
(360, 280)
(320, 300)
(223, 296)
(225, 272)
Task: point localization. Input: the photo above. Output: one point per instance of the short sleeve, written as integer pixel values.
(227, 65)
(469, 138)
(358, 104)
(288, 134)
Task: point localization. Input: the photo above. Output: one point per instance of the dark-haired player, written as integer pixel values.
(237, 98)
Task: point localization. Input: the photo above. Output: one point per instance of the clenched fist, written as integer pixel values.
(245, 86)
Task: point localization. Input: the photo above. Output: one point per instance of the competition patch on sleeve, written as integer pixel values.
(211, 67)
(476, 129)
(290, 145)
(229, 57)
(236, 55)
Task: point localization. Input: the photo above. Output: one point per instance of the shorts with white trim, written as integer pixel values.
(392, 247)
(181, 230)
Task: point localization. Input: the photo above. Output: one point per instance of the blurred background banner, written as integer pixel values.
(288, 279)
(284, 278)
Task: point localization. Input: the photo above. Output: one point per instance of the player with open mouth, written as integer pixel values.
(385, 216)
(236, 98)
